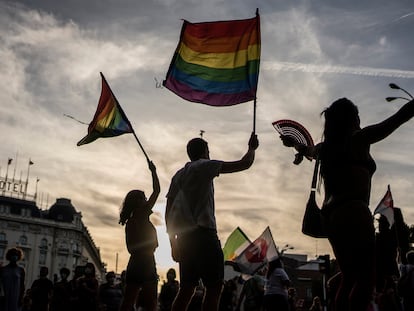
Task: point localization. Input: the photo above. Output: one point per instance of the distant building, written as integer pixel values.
(54, 238)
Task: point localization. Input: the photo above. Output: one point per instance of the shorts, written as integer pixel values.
(201, 257)
(141, 269)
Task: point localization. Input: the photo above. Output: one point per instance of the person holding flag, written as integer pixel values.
(347, 168)
(191, 222)
(141, 241)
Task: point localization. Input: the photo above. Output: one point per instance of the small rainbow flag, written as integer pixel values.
(109, 120)
(216, 63)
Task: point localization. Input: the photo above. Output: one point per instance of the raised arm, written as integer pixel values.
(155, 185)
(374, 133)
(246, 161)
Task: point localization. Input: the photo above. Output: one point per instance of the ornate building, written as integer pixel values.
(54, 238)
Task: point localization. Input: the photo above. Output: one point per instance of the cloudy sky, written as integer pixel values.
(313, 52)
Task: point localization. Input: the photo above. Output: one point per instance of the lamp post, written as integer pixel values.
(285, 248)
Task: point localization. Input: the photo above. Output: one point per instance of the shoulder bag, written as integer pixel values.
(312, 219)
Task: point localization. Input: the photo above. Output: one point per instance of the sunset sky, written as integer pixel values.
(313, 52)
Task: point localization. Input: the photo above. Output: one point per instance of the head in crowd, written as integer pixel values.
(197, 148)
(14, 254)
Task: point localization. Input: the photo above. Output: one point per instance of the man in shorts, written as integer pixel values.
(191, 222)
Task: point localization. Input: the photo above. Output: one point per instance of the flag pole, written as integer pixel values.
(125, 118)
(258, 66)
(254, 116)
(139, 143)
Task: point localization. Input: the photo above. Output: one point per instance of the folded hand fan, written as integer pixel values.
(294, 131)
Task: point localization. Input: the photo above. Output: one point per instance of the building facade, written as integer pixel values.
(55, 237)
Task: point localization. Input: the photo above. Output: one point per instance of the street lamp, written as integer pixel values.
(285, 248)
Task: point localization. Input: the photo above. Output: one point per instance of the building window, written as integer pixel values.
(23, 240)
(43, 243)
(2, 236)
(75, 248)
(42, 258)
(75, 261)
(62, 260)
(4, 209)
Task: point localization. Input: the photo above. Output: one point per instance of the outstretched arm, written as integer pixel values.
(246, 161)
(155, 185)
(374, 133)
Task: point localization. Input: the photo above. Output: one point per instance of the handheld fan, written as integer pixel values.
(294, 130)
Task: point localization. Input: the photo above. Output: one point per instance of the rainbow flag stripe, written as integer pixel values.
(109, 119)
(216, 63)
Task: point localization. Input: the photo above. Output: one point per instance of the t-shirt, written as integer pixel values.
(274, 284)
(192, 190)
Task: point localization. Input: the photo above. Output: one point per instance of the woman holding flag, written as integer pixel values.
(141, 241)
(347, 169)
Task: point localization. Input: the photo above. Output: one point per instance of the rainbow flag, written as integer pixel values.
(216, 63)
(109, 120)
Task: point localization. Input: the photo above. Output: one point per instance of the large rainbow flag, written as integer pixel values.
(109, 120)
(216, 63)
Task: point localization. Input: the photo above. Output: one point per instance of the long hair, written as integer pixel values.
(129, 204)
(341, 119)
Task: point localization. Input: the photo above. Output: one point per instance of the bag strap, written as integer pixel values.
(315, 175)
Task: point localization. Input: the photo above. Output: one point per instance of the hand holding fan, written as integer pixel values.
(293, 133)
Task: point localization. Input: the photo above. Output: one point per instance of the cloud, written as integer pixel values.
(330, 69)
(51, 55)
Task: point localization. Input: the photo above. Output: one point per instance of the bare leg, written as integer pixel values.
(212, 297)
(148, 295)
(183, 298)
(130, 297)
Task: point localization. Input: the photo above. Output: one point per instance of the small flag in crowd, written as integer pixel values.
(235, 244)
(257, 254)
(386, 207)
(216, 63)
(109, 120)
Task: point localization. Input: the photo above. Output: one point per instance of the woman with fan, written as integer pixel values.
(347, 169)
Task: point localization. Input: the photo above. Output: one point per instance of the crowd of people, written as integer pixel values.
(346, 169)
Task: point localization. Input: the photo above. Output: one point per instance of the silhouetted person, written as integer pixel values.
(27, 301)
(347, 169)
(87, 289)
(276, 287)
(141, 240)
(41, 291)
(228, 298)
(403, 235)
(406, 282)
(316, 304)
(292, 298)
(251, 296)
(74, 299)
(168, 291)
(110, 294)
(62, 293)
(386, 253)
(12, 279)
(198, 250)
